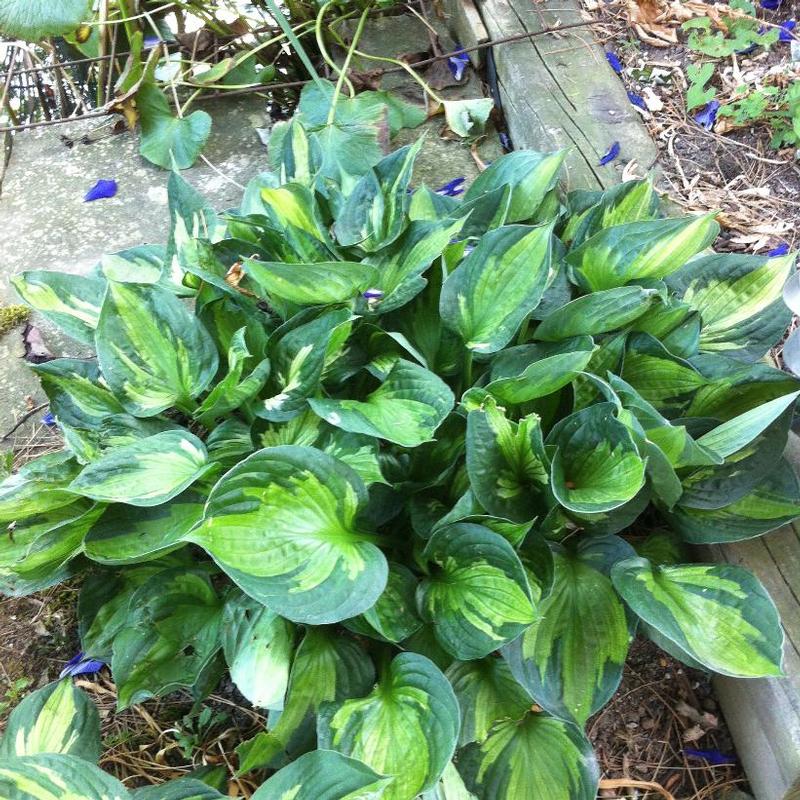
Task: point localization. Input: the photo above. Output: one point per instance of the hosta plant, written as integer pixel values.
(414, 469)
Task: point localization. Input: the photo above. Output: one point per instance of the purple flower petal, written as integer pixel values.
(786, 30)
(708, 115)
(49, 419)
(614, 61)
(101, 190)
(79, 665)
(453, 188)
(612, 153)
(712, 756)
(151, 41)
(637, 100)
(770, 5)
(505, 141)
(781, 250)
(458, 63)
(373, 294)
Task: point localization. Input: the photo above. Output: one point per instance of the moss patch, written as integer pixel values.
(10, 316)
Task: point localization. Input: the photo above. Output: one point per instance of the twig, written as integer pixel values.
(23, 419)
(625, 783)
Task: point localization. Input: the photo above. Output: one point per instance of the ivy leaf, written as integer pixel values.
(406, 728)
(32, 20)
(169, 140)
(467, 118)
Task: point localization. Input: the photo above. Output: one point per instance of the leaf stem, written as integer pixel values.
(343, 74)
(402, 64)
(323, 49)
(467, 369)
(279, 17)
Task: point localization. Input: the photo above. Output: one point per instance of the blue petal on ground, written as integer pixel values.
(102, 190)
(708, 115)
(458, 64)
(614, 61)
(612, 153)
(712, 756)
(637, 100)
(80, 665)
(781, 250)
(452, 188)
(787, 28)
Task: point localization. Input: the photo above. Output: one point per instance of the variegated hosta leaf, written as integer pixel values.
(327, 666)
(637, 250)
(719, 614)
(374, 213)
(406, 728)
(142, 264)
(317, 284)
(57, 777)
(506, 463)
(282, 524)
(258, 647)
(299, 351)
(477, 595)
(450, 787)
(528, 174)
(324, 775)
(571, 658)
(234, 391)
(401, 265)
(738, 298)
(38, 486)
(153, 352)
(394, 615)
(39, 546)
(58, 718)
(122, 536)
(486, 298)
(775, 501)
(529, 371)
(596, 466)
(146, 473)
(70, 301)
(598, 312)
(293, 205)
(170, 635)
(539, 758)
(736, 433)
(406, 408)
(486, 692)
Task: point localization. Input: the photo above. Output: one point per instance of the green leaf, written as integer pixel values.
(486, 298)
(233, 390)
(596, 466)
(58, 718)
(468, 118)
(118, 538)
(299, 351)
(774, 501)
(477, 594)
(394, 615)
(324, 775)
(406, 728)
(571, 658)
(258, 647)
(152, 351)
(326, 667)
(142, 264)
(170, 635)
(72, 302)
(539, 758)
(169, 140)
(178, 789)
(636, 250)
(38, 486)
(529, 371)
(529, 175)
(719, 614)
(375, 212)
(32, 20)
(739, 300)
(406, 408)
(598, 312)
(57, 777)
(506, 463)
(322, 283)
(146, 473)
(282, 524)
(486, 692)
(736, 433)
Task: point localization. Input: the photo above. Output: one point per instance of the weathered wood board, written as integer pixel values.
(558, 91)
(764, 715)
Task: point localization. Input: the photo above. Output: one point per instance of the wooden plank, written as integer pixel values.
(465, 23)
(764, 714)
(559, 91)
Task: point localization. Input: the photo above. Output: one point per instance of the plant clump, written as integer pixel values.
(378, 452)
